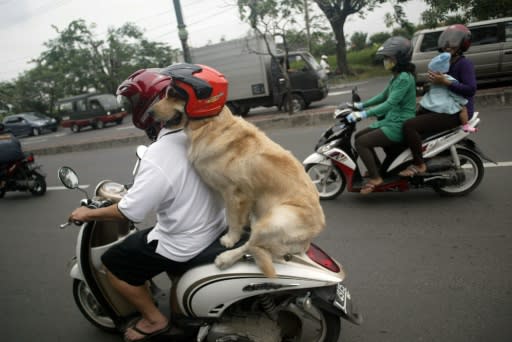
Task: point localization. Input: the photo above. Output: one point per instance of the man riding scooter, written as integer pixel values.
(190, 217)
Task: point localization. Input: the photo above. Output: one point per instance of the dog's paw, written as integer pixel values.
(228, 240)
(223, 260)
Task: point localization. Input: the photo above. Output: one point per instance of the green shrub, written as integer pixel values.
(362, 57)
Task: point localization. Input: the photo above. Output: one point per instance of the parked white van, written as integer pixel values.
(490, 51)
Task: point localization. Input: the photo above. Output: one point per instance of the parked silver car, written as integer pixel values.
(490, 51)
(32, 123)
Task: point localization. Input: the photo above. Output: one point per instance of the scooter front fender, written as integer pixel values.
(74, 271)
(335, 155)
(316, 158)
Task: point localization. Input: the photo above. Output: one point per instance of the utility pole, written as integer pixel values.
(306, 17)
(182, 31)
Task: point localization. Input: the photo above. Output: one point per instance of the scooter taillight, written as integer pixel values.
(30, 158)
(321, 258)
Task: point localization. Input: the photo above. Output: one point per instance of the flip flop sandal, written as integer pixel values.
(368, 188)
(410, 171)
(147, 336)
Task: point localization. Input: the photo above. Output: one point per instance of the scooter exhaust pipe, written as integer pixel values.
(439, 164)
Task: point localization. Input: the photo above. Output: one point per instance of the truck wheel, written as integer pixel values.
(298, 103)
(238, 109)
(75, 128)
(244, 110)
(99, 124)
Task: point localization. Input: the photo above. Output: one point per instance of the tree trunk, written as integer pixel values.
(341, 46)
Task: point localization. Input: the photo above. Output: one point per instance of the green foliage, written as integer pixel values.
(77, 62)
(363, 57)
(379, 38)
(445, 12)
(358, 41)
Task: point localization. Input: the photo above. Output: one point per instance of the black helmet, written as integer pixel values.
(399, 48)
(455, 36)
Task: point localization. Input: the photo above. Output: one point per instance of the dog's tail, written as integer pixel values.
(263, 259)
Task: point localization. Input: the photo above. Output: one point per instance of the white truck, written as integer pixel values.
(255, 78)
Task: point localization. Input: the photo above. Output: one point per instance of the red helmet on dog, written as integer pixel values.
(138, 93)
(203, 88)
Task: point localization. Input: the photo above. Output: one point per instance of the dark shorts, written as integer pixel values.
(135, 261)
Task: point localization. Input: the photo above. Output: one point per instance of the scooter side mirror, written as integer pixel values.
(68, 177)
(141, 150)
(355, 95)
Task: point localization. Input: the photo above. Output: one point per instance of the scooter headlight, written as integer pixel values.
(327, 147)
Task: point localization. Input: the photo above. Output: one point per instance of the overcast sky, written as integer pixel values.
(26, 24)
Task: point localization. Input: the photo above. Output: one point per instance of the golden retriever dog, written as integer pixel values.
(262, 184)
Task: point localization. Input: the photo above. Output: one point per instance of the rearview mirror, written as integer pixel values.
(68, 177)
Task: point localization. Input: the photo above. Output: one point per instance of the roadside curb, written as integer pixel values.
(312, 117)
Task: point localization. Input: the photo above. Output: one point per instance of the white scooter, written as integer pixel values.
(303, 303)
(454, 162)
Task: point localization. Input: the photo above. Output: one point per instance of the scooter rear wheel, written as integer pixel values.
(471, 174)
(90, 308)
(328, 179)
(39, 188)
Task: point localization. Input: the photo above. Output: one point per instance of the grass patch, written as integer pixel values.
(362, 63)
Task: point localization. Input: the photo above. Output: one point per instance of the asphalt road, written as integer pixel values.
(421, 267)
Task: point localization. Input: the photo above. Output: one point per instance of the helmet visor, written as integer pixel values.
(125, 103)
(450, 39)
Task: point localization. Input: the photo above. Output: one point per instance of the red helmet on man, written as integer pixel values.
(138, 93)
(455, 36)
(204, 90)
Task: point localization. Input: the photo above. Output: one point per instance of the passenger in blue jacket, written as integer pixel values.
(455, 40)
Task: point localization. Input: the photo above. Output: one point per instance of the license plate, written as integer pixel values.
(342, 298)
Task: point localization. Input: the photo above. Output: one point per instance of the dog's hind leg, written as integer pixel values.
(237, 210)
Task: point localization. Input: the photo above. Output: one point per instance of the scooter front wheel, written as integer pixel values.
(328, 179)
(90, 308)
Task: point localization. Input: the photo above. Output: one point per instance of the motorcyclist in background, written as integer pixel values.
(10, 150)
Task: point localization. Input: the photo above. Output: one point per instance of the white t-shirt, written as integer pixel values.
(190, 216)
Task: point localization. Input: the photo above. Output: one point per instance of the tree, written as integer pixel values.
(272, 18)
(358, 41)
(337, 12)
(444, 12)
(76, 62)
(379, 38)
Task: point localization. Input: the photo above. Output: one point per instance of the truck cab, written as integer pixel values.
(307, 78)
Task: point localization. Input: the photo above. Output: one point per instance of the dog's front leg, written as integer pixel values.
(237, 211)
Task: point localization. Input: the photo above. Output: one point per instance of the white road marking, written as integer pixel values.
(500, 164)
(64, 188)
(34, 141)
(340, 93)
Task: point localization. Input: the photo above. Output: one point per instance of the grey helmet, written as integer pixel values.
(397, 47)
